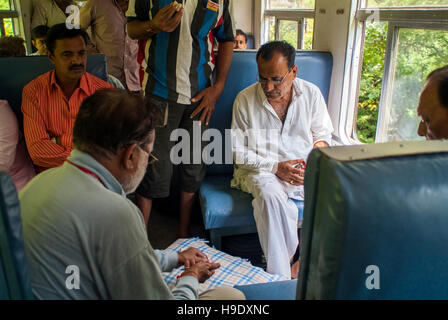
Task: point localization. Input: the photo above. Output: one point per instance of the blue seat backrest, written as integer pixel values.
(375, 226)
(313, 66)
(250, 42)
(14, 277)
(16, 72)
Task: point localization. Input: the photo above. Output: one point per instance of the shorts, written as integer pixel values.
(157, 180)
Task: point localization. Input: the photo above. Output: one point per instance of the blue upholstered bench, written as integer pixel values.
(19, 71)
(228, 211)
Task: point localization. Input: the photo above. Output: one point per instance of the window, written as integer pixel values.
(290, 20)
(8, 18)
(401, 42)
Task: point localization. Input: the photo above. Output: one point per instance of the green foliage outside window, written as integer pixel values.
(418, 53)
(406, 3)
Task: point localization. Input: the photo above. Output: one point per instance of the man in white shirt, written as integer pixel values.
(284, 118)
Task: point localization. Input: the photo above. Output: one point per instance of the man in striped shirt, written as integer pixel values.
(178, 63)
(51, 102)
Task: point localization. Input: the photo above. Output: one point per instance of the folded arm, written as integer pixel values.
(43, 149)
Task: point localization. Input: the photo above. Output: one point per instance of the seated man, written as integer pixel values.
(51, 101)
(13, 156)
(433, 106)
(240, 41)
(293, 113)
(38, 35)
(78, 223)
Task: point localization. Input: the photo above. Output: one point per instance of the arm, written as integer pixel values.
(321, 125)
(39, 17)
(42, 150)
(245, 155)
(167, 260)
(141, 27)
(210, 95)
(86, 15)
(9, 136)
(225, 33)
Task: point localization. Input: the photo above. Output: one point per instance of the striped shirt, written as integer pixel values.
(48, 114)
(179, 64)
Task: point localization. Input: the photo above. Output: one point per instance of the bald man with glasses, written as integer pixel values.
(283, 118)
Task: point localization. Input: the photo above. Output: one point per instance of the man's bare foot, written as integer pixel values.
(295, 270)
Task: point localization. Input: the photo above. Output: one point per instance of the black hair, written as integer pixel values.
(111, 119)
(241, 32)
(441, 74)
(60, 31)
(39, 32)
(12, 46)
(267, 50)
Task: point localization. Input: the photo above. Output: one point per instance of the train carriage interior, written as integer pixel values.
(370, 221)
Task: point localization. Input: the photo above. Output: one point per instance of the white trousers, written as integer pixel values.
(276, 218)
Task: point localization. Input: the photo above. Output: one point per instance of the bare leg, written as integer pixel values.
(186, 205)
(295, 270)
(145, 206)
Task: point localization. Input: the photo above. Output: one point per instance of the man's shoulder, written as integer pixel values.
(39, 82)
(248, 92)
(306, 86)
(96, 83)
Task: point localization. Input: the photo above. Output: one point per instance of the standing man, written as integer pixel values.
(179, 64)
(50, 12)
(294, 115)
(108, 24)
(51, 102)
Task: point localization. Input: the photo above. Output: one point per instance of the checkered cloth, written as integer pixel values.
(233, 270)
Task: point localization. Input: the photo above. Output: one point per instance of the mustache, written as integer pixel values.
(76, 66)
(273, 92)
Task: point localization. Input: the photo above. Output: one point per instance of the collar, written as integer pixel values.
(86, 161)
(83, 84)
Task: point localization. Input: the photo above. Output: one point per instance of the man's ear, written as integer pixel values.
(129, 157)
(51, 57)
(294, 70)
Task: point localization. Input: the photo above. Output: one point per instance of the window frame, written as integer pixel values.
(429, 18)
(12, 13)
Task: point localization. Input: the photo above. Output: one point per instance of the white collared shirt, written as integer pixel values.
(307, 121)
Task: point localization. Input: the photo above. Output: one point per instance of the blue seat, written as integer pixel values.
(14, 276)
(228, 211)
(375, 222)
(19, 71)
(228, 208)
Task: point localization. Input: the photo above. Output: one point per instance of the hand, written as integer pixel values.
(201, 271)
(190, 257)
(162, 22)
(209, 97)
(320, 144)
(287, 172)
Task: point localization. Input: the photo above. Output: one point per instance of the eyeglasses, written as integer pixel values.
(264, 81)
(152, 158)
